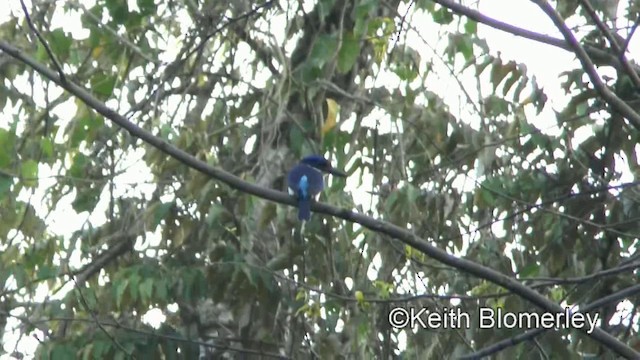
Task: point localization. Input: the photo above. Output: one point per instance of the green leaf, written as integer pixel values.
(159, 213)
(349, 52)
(46, 145)
(86, 199)
(62, 352)
(134, 279)
(323, 50)
(102, 85)
(147, 7)
(120, 288)
(162, 292)
(529, 270)
(494, 106)
(78, 165)
(460, 43)
(390, 203)
(362, 13)
(296, 140)
(146, 290)
(46, 271)
(483, 65)
(7, 142)
(499, 71)
(471, 27)
(442, 16)
(5, 185)
(118, 10)
(567, 8)
(515, 76)
(60, 44)
(29, 173)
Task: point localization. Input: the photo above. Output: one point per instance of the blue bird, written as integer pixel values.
(305, 181)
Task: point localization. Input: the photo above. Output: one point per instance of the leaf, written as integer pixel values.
(46, 145)
(5, 185)
(97, 51)
(332, 114)
(120, 288)
(483, 65)
(349, 52)
(391, 201)
(362, 13)
(567, 8)
(530, 270)
(160, 211)
(60, 44)
(134, 288)
(118, 10)
(78, 165)
(146, 290)
(296, 139)
(102, 85)
(29, 173)
(7, 141)
(460, 43)
(323, 50)
(515, 76)
(62, 351)
(499, 71)
(471, 27)
(442, 16)
(147, 7)
(162, 292)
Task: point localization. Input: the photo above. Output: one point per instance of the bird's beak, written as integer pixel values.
(336, 172)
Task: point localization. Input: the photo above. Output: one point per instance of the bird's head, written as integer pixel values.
(322, 164)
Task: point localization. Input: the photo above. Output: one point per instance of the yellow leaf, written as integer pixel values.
(95, 53)
(359, 297)
(332, 114)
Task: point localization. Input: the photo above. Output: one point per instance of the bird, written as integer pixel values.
(305, 181)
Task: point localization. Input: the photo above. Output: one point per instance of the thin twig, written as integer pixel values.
(633, 30)
(613, 41)
(83, 300)
(115, 34)
(531, 334)
(607, 95)
(56, 64)
(599, 55)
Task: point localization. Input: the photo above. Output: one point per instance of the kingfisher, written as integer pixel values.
(305, 181)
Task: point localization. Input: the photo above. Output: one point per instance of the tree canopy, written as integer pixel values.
(144, 147)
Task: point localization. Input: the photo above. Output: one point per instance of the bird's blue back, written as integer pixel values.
(314, 181)
(305, 181)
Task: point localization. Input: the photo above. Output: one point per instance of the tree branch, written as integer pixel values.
(528, 335)
(570, 43)
(391, 230)
(44, 43)
(613, 41)
(614, 101)
(601, 57)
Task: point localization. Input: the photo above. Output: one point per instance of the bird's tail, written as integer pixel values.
(304, 209)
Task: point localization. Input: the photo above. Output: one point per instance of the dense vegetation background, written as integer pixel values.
(114, 244)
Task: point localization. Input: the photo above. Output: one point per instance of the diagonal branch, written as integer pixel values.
(569, 43)
(631, 32)
(531, 334)
(601, 57)
(44, 43)
(614, 101)
(613, 41)
(391, 230)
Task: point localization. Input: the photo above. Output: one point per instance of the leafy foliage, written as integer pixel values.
(140, 255)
